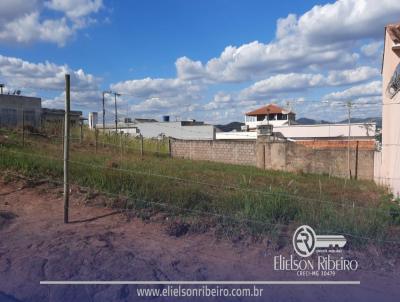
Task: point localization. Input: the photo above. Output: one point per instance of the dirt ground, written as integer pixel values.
(101, 244)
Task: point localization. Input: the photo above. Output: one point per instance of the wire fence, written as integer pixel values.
(96, 166)
(272, 191)
(139, 172)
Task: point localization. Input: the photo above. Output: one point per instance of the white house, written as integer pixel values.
(358, 131)
(270, 114)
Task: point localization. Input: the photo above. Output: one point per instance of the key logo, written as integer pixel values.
(305, 241)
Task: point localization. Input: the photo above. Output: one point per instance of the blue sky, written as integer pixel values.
(209, 60)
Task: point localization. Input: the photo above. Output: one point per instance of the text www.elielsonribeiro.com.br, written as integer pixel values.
(202, 291)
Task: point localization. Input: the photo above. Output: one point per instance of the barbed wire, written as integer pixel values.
(208, 213)
(215, 186)
(158, 239)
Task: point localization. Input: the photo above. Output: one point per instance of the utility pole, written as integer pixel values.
(116, 111)
(289, 108)
(115, 105)
(104, 113)
(348, 138)
(104, 108)
(66, 147)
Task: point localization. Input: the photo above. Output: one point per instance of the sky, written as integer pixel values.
(211, 60)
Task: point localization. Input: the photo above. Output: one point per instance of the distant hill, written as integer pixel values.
(229, 127)
(309, 121)
(378, 120)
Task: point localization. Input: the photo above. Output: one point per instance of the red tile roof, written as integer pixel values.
(269, 109)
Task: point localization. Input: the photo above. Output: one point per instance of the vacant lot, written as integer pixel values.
(234, 201)
(102, 244)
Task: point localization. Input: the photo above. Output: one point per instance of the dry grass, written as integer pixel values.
(239, 199)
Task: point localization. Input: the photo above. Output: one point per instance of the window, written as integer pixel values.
(249, 118)
(272, 117)
(260, 118)
(394, 84)
(282, 117)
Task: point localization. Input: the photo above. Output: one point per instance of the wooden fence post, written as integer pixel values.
(66, 147)
(169, 147)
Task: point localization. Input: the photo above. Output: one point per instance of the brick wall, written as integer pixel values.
(281, 155)
(338, 144)
(225, 151)
(293, 157)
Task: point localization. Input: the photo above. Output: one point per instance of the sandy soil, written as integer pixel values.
(101, 244)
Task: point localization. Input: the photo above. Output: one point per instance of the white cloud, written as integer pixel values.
(221, 100)
(287, 83)
(28, 28)
(253, 60)
(49, 77)
(148, 87)
(188, 69)
(372, 89)
(74, 9)
(24, 74)
(372, 49)
(82, 100)
(318, 49)
(282, 83)
(26, 21)
(346, 20)
(160, 96)
(351, 76)
(323, 37)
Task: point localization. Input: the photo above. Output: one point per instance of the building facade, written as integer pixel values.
(389, 172)
(17, 111)
(180, 130)
(93, 120)
(56, 116)
(270, 114)
(358, 131)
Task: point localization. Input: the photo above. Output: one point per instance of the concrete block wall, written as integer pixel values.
(294, 157)
(232, 152)
(279, 155)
